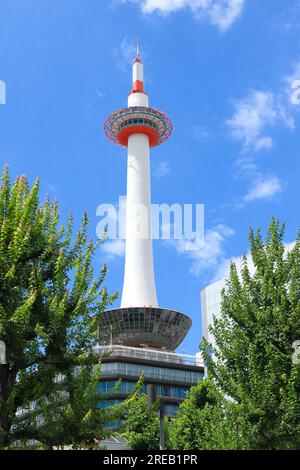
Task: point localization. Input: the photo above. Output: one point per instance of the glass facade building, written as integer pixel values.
(125, 387)
(170, 374)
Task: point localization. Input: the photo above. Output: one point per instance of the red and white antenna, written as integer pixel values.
(138, 55)
(137, 71)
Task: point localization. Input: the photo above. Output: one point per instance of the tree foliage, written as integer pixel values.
(50, 300)
(142, 424)
(205, 421)
(69, 417)
(251, 399)
(252, 359)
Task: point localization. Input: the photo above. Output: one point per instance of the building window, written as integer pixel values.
(171, 410)
(107, 403)
(150, 372)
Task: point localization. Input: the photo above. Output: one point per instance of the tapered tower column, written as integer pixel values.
(139, 285)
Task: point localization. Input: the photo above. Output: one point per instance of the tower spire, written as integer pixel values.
(138, 54)
(137, 71)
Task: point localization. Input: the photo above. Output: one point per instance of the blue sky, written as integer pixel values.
(223, 72)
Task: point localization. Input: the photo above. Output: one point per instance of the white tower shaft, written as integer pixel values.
(139, 284)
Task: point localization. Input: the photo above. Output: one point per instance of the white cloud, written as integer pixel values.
(264, 143)
(222, 270)
(113, 249)
(99, 93)
(292, 85)
(125, 54)
(264, 188)
(112, 224)
(224, 267)
(161, 169)
(221, 13)
(224, 13)
(204, 254)
(294, 74)
(253, 115)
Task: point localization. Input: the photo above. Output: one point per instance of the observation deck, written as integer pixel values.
(138, 120)
(152, 327)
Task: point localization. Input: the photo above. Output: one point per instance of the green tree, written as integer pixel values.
(142, 424)
(205, 421)
(70, 416)
(252, 359)
(50, 300)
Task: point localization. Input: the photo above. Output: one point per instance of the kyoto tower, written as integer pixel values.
(139, 321)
